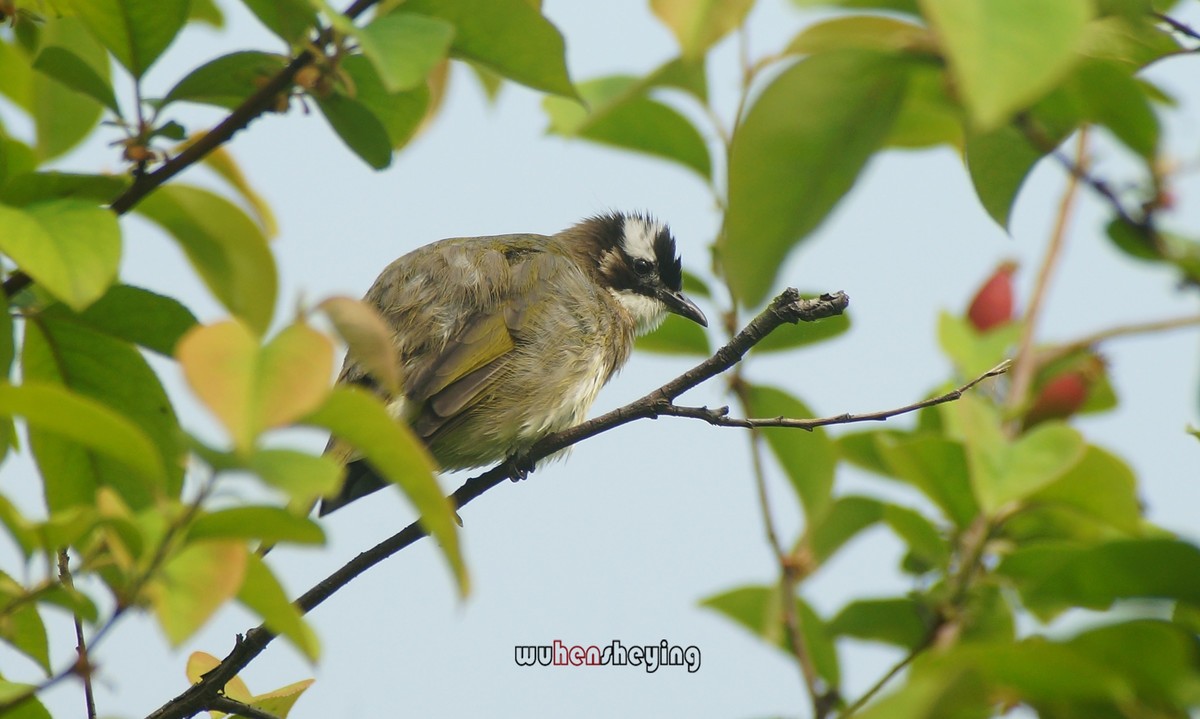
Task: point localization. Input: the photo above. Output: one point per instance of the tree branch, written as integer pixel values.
(83, 665)
(787, 307)
(251, 109)
(223, 703)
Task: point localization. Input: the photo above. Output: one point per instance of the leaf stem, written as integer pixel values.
(1025, 364)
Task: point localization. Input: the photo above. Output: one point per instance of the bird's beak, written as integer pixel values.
(682, 306)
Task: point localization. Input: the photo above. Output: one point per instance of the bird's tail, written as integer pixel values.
(361, 479)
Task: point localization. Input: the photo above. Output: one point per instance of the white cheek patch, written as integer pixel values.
(638, 240)
(647, 312)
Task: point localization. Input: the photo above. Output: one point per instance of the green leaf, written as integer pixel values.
(755, 608)
(698, 26)
(901, 621)
(271, 525)
(791, 336)
(400, 112)
(1111, 96)
(114, 374)
(30, 707)
(87, 422)
(510, 37)
(221, 162)
(1100, 486)
(974, 352)
(31, 187)
(845, 518)
(291, 20)
(133, 314)
(797, 152)
(194, 584)
(679, 74)
(808, 458)
(937, 467)
(623, 116)
(1003, 471)
(262, 593)
(1136, 42)
(1053, 577)
(16, 158)
(760, 610)
(953, 693)
(676, 336)
(206, 11)
(999, 161)
(1044, 674)
(135, 31)
(359, 129)
(361, 420)
(860, 32)
(1160, 659)
(226, 248)
(70, 247)
(303, 477)
(68, 68)
(228, 80)
(928, 116)
(404, 48)
(926, 544)
(61, 116)
(21, 625)
(900, 6)
(1006, 55)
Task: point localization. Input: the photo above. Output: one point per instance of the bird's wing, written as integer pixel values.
(476, 355)
(481, 303)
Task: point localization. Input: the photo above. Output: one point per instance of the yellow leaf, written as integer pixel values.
(294, 375)
(218, 362)
(251, 389)
(194, 584)
(368, 337)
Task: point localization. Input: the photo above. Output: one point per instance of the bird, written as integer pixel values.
(504, 339)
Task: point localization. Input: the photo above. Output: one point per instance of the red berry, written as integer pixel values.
(1059, 398)
(993, 304)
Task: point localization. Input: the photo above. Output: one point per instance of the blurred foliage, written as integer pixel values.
(1025, 516)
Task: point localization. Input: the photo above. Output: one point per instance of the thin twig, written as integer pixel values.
(788, 581)
(1177, 26)
(879, 685)
(1138, 328)
(1140, 221)
(83, 665)
(719, 417)
(1025, 363)
(787, 307)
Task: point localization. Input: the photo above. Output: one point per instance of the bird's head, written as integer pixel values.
(633, 257)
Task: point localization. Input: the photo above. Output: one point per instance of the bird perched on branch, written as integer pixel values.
(505, 339)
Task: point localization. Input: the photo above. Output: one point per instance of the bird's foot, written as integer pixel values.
(518, 466)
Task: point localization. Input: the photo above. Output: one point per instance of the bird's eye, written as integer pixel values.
(642, 266)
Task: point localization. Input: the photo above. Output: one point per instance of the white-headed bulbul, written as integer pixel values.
(504, 339)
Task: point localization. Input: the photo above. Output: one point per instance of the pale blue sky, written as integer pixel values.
(621, 540)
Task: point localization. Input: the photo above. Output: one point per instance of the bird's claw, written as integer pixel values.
(519, 467)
